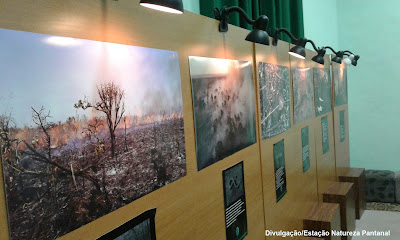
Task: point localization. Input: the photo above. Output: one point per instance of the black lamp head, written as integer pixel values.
(319, 58)
(299, 51)
(170, 6)
(258, 36)
(259, 33)
(338, 57)
(354, 61)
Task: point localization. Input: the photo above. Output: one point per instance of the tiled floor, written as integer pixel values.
(380, 221)
(394, 207)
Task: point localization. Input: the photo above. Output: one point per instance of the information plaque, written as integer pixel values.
(280, 171)
(235, 202)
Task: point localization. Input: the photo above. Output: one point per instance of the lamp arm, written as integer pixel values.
(241, 12)
(327, 47)
(347, 51)
(356, 57)
(279, 30)
(222, 16)
(313, 44)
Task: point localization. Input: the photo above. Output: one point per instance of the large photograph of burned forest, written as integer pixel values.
(224, 108)
(86, 127)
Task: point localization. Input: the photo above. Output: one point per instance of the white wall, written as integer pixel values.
(192, 5)
(370, 28)
(321, 22)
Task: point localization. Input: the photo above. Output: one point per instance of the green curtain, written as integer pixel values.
(281, 13)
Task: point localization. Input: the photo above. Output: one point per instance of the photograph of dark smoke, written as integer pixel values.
(99, 126)
(224, 107)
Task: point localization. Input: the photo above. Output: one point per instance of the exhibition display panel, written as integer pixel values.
(341, 117)
(119, 121)
(323, 125)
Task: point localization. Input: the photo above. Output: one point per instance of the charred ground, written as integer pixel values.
(46, 201)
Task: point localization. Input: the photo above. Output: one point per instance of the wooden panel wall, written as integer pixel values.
(313, 181)
(286, 214)
(193, 206)
(326, 165)
(342, 149)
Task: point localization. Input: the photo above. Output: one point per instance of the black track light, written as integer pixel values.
(338, 57)
(170, 6)
(354, 61)
(299, 50)
(296, 51)
(351, 59)
(257, 35)
(319, 58)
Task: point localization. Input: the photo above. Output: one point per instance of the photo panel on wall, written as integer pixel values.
(274, 99)
(305, 146)
(90, 134)
(141, 227)
(322, 91)
(340, 83)
(303, 95)
(342, 126)
(224, 108)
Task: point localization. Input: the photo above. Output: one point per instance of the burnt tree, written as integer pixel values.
(44, 154)
(92, 130)
(6, 141)
(9, 147)
(111, 104)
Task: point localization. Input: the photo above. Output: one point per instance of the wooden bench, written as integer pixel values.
(357, 177)
(343, 194)
(323, 217)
